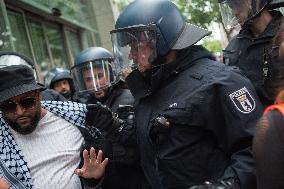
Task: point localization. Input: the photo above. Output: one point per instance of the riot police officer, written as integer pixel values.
(14, 58)
(94, 76)
(60, 80)
(194, 117)
(253, 50)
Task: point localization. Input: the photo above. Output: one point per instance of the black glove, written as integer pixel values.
(125, 111)
(222, 184)
(103, 118)
(159, 130)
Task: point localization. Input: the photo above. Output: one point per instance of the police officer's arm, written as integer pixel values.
(241, 111)
(103, 118)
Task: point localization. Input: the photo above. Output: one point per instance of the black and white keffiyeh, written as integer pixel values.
(13, 167)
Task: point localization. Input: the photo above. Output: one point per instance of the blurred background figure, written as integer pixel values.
(60, 80)
(97, 82)
(252, 49)
(269, 139)
(13, 58)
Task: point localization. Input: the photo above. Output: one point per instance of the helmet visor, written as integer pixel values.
(237, 12)
(93, 76)
(133, 48)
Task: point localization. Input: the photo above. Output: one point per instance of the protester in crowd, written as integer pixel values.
(94, 74)
(14, 58)
(60, 80)
(41, 141)
(194, 117)
(252, 49)
(269, 139)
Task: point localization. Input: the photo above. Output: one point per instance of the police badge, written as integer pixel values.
(243, 100)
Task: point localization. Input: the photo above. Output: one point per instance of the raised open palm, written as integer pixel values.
(93, 166)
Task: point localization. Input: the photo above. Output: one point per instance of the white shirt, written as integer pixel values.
(52, 153)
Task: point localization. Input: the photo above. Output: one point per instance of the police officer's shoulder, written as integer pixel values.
(120, 84)
(205, 69)
(232, 73)
(126, 97)
(52, 95)
(214, 70)
(231, 46)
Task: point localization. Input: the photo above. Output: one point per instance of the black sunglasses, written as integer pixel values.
(11, 106)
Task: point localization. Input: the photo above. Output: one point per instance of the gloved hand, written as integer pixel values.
(222, 184)
(103, 118)
(125, 112)
(159, 130)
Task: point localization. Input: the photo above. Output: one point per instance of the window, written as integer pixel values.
(19, 33)
(50, 43)
(74, 43)
(43, 60)
(56, 46)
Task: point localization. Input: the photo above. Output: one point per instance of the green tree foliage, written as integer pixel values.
(122, 3)
(200, 12)
(212, 45)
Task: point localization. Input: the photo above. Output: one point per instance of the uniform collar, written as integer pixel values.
(142, 86)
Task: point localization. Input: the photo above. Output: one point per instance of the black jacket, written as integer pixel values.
(123, 170)
(52, 95)
(212, 109)
(258, 59)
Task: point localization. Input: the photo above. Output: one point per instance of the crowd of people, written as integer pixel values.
(157, 112)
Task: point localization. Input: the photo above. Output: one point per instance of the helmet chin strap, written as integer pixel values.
(252, 17)
(66, 94)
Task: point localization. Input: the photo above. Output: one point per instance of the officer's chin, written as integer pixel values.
(100, 94)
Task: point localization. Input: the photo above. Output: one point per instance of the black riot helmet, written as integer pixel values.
(241, 12)
(57, 74)
(155, 22)
(93, 70)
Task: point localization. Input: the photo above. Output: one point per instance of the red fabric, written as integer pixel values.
(279, 107)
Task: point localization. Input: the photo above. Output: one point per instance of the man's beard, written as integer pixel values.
(28, 129)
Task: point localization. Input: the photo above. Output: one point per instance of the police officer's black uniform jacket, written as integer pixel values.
(212, 109)
(125, 161)
(258, 58)
(52, 95)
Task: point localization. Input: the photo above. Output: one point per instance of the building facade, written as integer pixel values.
(52, 32)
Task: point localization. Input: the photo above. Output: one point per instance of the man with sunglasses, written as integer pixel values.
(41, 142)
